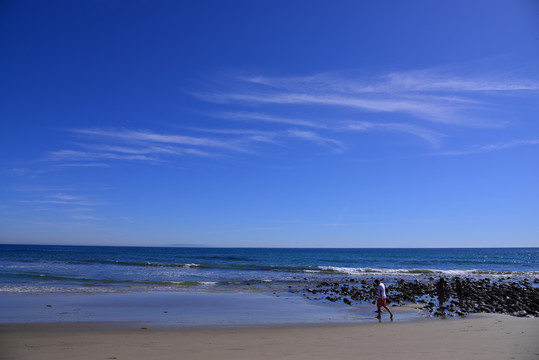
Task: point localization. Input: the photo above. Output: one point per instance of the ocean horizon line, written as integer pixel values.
(272, 247)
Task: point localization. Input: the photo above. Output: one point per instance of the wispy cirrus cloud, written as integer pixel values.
(100, 146)
(261, 117)
(276, 137)
(432, 137)
(249, 135)
(73, 155)
(439, 80)
(335, 145)
(433, 95)
(87, 165)
(105, 145)
(43, 189)
(85, 217)
(477, 149)
(250, 114)
(153, 137)
(429, 110)
(332, 126)
(67, 203)
(427, 104)
(61, 202)
(65, 197)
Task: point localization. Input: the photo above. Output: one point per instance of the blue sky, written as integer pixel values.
(270, 123)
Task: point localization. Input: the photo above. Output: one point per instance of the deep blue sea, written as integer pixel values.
(45, 269)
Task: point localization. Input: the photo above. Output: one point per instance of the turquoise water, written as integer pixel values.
(44, 269)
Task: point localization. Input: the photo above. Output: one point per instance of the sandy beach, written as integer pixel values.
(481, 337)
(81, 305)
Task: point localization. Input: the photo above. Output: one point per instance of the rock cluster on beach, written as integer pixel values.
(504, 296)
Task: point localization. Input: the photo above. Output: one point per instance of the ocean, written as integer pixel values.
(98, 269)
(188, 286)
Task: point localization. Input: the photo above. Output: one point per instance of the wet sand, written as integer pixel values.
(183, 309)
(246, 326)
(482, 337)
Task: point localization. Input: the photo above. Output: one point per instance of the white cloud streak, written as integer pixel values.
(131, 145)
(273, 137)
(337, 146)
(60, 202)
(431, 80)
(478, 149)
(70, 155)
(416, 103)
(85, 217)
(88, 165)
(151, 137)
(432, 137)
(65, 197)
(260, 117)
(427, 95)
(417, 107)
(70, 206)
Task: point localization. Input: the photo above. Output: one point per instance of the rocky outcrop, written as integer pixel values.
(486, 295)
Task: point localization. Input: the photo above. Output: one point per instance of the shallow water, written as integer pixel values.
(180, 309)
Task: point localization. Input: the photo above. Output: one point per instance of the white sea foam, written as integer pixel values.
(421, 272)
(56, 289)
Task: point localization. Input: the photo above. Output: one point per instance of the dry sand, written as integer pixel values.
(485, 337)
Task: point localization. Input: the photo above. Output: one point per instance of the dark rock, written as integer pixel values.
(508, 296)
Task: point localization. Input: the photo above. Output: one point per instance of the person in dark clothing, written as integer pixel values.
(459, 291)
(440, 289)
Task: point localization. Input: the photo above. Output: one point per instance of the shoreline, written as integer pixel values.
(186, 309)
(486, 336)
(349, 300)
(247, 326)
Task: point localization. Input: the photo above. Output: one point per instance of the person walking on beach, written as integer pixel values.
(460, 293)
(381, 300)
(440, 289)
